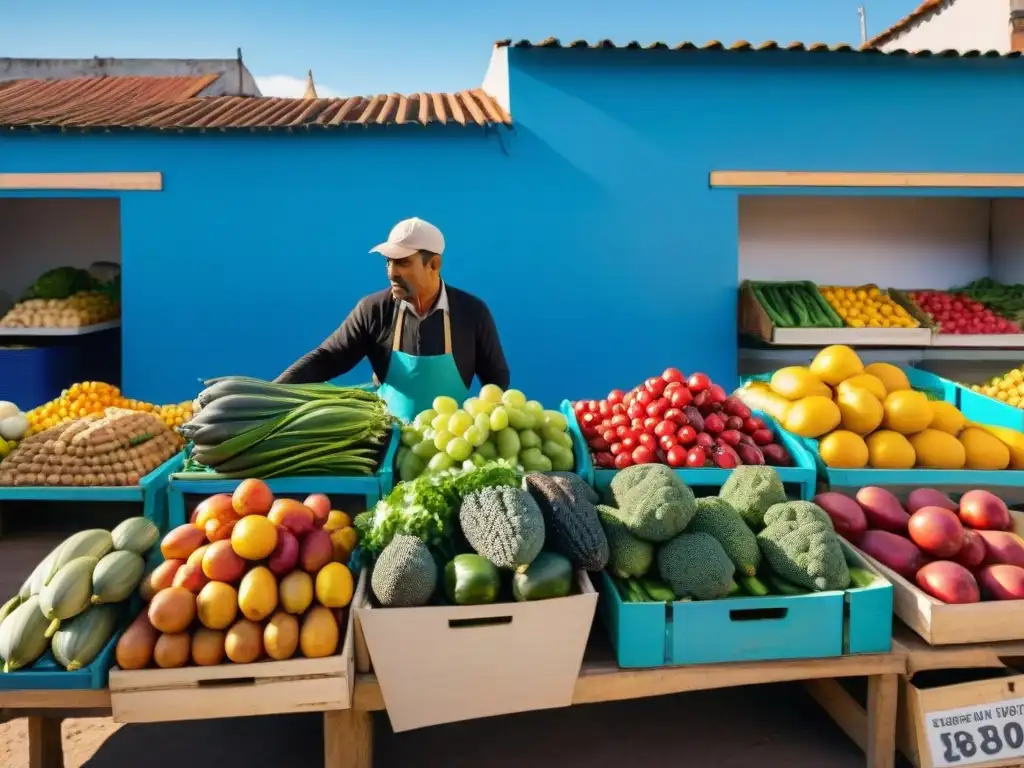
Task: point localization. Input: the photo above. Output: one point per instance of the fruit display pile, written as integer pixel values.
(491, 426)
(679, 421)
(89, 397)
(250, 428)
(249, 577)
(958, 314)
(869, 416)
(796, 305)
(68, 297)
(748, 540)
(1006, 300)
(115, 448)
(956, 551)
(76, 598)
(482, 535)
(867, 306)
(1008, 388)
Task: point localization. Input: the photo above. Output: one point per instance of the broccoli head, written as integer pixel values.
(696, 565)
(717, 518)
(629, 556)
(751, 490)
(503, 524)
(797, 512)
(805, 553)
(653, 502)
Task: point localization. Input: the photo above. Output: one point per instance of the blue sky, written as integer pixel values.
(380, 46)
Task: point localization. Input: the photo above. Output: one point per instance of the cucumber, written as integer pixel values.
(860, 578)
(471, 580)
(549, 575)
(753, 586)
(657, 591)
(784, 587)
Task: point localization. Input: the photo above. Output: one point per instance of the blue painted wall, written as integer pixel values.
(591, 230)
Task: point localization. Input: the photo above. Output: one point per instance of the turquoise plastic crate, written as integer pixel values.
(800, 479)
(580, 449)
(370, 487)
(824, 624)
(151, 492)
(987, 410)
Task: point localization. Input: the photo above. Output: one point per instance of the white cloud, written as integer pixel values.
(288, 87)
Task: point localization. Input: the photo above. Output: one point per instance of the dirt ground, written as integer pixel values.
(766, 726)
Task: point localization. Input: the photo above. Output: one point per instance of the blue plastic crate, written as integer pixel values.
(800, 479)
(372, 488)
(854, 621)
(151, 492)
(31, 376)
(580, 450)
(987, 410)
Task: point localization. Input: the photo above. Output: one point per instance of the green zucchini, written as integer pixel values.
(657, 591)
(549, 575)
(763, 299)
(784, 587)
(860, 578)
(471, 580)
(753, 586)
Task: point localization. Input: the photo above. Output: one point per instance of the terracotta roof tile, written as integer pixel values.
(90, 103)
(742, 45)
(922, 12)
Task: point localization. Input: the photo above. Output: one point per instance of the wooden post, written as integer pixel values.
(45, 749)
(348, 739)
(882, 700)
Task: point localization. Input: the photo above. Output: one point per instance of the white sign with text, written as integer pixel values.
(973, 735)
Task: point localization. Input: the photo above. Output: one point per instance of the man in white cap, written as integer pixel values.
(423, 338)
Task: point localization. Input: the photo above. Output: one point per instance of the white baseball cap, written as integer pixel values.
(409, 236)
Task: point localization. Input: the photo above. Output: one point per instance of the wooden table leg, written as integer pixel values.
(882, 699)
(348, 739)
(45, 749)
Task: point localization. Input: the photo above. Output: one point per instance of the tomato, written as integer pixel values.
(637, 424)
(752, 424)
(615, 449)
(667, 443)
(672, 386)
(658, 407)
(655, 387)
(618, 408)
(696, 457)
(680, 398)
(716, 394)
(645, 397)
(676, 456)
(672, 374)
(636, 411)
(619, 420)
(648, 441)
(579, 407)
(650, 423)
(643, 455)
(763, 436)
(604, 460)
(698, 382)
(593, 406)
(677, 417)
(704, 440)
(610, 436)
(623, 460)
(629, 443)
(686, 435)
(734, 422)
(599, 444)
(665, 428)
(615, 396)
(714, 423)
(730, 437)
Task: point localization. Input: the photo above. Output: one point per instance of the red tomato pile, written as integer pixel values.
(956, 313)
(683, 422)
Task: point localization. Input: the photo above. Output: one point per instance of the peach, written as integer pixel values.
(252, 497)
(220, 563)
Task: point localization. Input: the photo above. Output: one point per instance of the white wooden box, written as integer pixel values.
(444, 664)
(236, 690)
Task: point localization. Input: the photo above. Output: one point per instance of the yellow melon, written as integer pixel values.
(813, 416)
(983, 451)
(843, 449)
(890, 450)
(866, 381)
(835, 363)
(795, 382)
(860, 410)
(938, 450)
(892, 377)
(946, 417)
(906, 412)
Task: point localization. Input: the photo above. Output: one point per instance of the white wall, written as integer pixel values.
(42, 233)
(496, 78)
(1008, 240)
(964, 25)
(895, 242)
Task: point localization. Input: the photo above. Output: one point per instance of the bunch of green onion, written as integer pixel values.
(248, 427)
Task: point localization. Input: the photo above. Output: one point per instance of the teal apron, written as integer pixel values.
(413, 381)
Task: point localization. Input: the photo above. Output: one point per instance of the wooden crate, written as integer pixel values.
(236, 690)
(939, 623)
